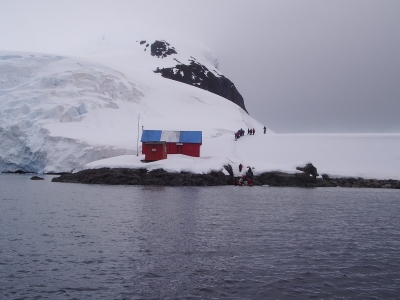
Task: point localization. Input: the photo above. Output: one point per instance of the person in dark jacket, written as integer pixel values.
(254, 131)
(240, 167)
(265, 129)
(249, 173)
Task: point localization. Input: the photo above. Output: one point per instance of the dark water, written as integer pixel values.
(68, 241)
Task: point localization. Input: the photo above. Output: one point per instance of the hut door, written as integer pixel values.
(179, 149)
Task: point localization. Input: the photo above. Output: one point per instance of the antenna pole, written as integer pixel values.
(137, 143)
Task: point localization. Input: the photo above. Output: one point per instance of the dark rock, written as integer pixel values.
(325, 177)
(37, 178)
(162, 178)
(304, 177)
(198, 75)
(309, 169)
(362, 183)
(57, 173)
(285, 179)
(217, 178)
(230, 179)
(229, 169)
(142, 42)
(17, 172)
(20, 172)
(142, 177)
(161, 49)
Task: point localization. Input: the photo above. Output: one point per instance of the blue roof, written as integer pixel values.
(151, 136)
(194, 137)
(190, 137)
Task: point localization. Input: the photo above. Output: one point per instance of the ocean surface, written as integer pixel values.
(71, 241)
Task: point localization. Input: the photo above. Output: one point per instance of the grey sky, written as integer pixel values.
(301, 66)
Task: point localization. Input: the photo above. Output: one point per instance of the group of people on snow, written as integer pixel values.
(250, 131)
(245, 179)
(239, 133)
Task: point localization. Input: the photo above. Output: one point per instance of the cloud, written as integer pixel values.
(320, 66)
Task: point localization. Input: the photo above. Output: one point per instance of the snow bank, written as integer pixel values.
(349, 155)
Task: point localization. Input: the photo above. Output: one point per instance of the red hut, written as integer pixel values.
(155, 151)
(177, 142)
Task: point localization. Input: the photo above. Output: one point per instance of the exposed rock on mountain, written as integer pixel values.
(196, 74)
(162, 49)
(199, 76)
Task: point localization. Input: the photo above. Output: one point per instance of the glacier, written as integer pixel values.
(41, 90)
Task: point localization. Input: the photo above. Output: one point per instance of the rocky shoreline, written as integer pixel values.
(122, 176)
(160, 177)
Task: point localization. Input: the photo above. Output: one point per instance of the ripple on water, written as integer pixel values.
(178, 243)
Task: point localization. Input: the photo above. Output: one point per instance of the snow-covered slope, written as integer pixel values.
(63, 113)
(58, 113)
(351, 155)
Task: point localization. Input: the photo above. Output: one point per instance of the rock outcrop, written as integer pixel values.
(195, 74)
(309, 169)
(161, 49)
(142, 177)
(160, 177)
(304, 180)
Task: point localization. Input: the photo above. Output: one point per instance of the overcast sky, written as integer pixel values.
(301, 66)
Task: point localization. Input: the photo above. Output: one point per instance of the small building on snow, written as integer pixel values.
(155, 151)
(177, 142)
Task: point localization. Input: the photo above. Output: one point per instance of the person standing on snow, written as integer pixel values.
(249, 173)
(254, 131)
(240, 168)
(265, 129)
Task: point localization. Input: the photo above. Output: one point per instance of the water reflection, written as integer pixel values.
(122, 242)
